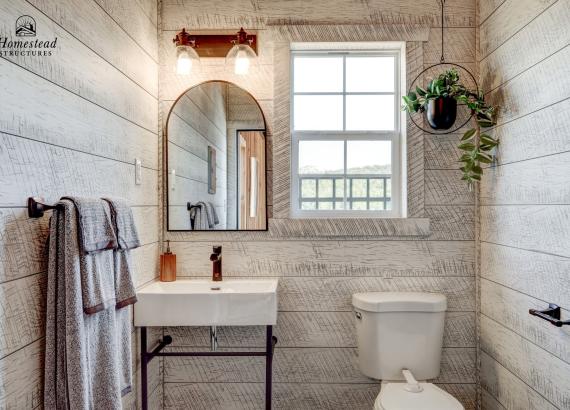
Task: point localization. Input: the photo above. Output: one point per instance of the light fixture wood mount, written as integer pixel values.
(215, 45)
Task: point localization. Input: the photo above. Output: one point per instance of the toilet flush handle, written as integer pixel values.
(412, 384)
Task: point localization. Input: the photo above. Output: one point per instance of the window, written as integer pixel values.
(346, 133)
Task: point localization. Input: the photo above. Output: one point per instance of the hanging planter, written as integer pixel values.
(437, 100)
(441, 113)
(445, 105)
(433, 106)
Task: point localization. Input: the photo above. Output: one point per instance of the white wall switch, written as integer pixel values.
(172, 180)
(138, 172)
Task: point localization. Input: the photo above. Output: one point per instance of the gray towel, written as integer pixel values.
(205, 210)
(198, 217)
(203, 216)
(83, 364)
(123, 223)
(125, 293)
(97, 268)
(55, 396)
(96, 232)
(126, 231)
(213, 214)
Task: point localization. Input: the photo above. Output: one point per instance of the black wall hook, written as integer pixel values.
(552, 315)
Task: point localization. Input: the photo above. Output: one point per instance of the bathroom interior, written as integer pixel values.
(325, 204)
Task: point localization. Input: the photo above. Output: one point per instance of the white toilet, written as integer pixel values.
(400, 335)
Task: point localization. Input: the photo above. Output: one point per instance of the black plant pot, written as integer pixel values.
(441, 113)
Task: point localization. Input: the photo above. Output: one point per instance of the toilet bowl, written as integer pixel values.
(400, 338)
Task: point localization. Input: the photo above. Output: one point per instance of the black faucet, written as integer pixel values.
(216, 258)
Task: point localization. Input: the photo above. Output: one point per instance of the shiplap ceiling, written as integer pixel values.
(260, 13)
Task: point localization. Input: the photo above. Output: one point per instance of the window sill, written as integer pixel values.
(349, 227)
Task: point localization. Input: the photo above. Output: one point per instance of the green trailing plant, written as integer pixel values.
(445, 85)
(476, 145)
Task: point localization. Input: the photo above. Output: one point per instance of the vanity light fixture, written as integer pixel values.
(242, 56)
(239, 50)
(186, 55)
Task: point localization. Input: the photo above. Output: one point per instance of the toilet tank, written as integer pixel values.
(399, 330)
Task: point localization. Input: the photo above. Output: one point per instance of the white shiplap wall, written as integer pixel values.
(320, 266)
(72, 124)
(524, 62)
(198, 121)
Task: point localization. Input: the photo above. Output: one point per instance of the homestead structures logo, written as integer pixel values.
(24, 45)
(26, 26)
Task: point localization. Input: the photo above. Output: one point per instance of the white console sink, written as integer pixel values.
(196, 302)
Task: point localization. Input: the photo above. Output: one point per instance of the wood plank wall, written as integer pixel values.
(243, 114)
(197, 121)
(524, 61)
(72, 124)
(315, 364)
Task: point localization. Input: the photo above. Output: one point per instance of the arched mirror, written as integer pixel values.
(215, 146)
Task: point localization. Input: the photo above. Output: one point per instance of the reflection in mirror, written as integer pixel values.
(216, 160)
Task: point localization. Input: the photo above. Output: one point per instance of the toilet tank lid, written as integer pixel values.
(399, 302)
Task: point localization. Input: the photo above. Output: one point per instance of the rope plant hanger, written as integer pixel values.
(455, 114)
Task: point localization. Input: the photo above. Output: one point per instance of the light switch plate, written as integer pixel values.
(173, 180)
(138, 172)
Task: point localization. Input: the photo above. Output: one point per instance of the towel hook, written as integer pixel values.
(36, 208)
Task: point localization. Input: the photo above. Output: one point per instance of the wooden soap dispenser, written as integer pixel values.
(167, 265)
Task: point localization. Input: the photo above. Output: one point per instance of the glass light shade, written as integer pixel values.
(241, 57)
(186, 58)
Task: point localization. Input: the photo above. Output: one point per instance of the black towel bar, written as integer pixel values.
(189, 206)
(552, 315)
(36, 208)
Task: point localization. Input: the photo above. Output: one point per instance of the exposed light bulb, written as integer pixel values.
(242, 63)
(183, 63)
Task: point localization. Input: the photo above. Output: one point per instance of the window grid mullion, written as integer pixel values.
(345, 172)
(344, 93)
(333, 193)
(316, 193)
(350, 192)
(385, 203)
(367, 193)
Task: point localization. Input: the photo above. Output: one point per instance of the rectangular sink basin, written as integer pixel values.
(198, 302)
